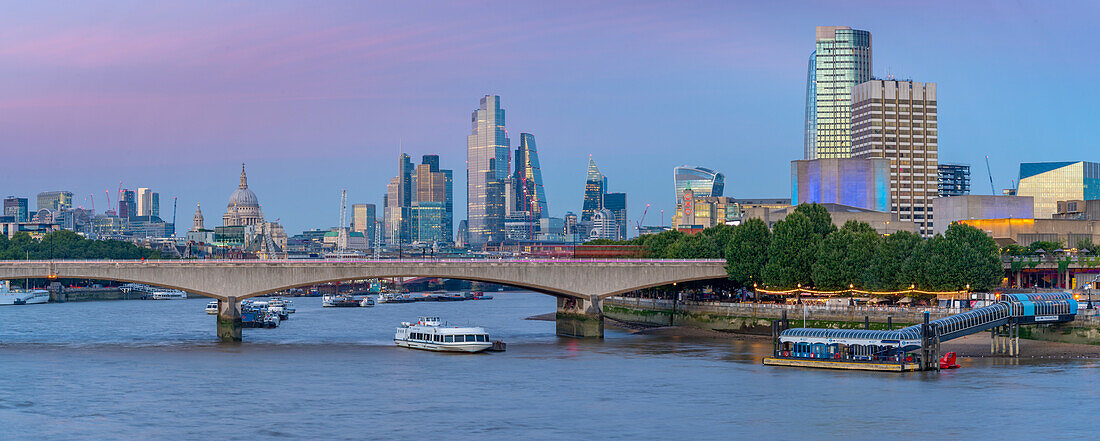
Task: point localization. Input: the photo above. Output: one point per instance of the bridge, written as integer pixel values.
(579, 285)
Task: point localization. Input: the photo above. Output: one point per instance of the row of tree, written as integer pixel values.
(806, 248)
(69, 245)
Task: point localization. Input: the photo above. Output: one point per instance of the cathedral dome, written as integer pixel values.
(243, 197)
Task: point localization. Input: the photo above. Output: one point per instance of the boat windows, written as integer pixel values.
(449, 339)
(460, 339)
(438, 338)
(482, 337)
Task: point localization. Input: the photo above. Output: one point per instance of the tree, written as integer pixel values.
(720, 235)
(888, 270)
(656, 244)
(791, 252)
(845, 257)
(1045, 245)
(697, 246)
(819, 218)
(978, 256)
(747, 252)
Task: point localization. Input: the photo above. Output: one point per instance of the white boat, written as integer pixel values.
(9, 296)
(171, 294)
(367, 301)
(430, 334)
(212, 308)
(328, 301)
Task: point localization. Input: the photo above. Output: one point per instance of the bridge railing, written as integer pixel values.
(307, 261)
(721, 306)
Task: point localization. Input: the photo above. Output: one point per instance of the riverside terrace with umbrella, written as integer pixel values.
(916, 347)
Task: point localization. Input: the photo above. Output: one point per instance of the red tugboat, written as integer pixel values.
(948, 361)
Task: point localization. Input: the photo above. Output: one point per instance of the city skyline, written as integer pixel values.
(182, 125)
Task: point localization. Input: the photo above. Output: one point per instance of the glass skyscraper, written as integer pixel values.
(529, 192)
(487, 170)
(594, 188)
(703, 182)
(954, 179)
(841, 60)
(1050, 182)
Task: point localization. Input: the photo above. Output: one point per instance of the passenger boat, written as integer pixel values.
(171, 294)
(367, 302)
(478, 295)
(9, 296)
(212, 307)
(430, 334)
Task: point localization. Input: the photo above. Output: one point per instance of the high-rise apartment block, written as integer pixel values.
(954, 179)
(1050, 182)
(841, 60)
(897, 120)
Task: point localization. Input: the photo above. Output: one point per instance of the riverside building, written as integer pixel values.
(1050, 182)
(896, 120)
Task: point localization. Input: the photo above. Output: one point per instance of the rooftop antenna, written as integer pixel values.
(990, 173)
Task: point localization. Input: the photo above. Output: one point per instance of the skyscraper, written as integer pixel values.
(529, 192)
(616, 204)
(897, 120)
(148, 202)
(430, 222)
(842, 59)
(398, 204)
(487, 170)
(703, 182)
(362, 220)
(595, 187)
(127, 206)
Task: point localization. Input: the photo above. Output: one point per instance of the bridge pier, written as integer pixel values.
(229, 320)
(579, 318)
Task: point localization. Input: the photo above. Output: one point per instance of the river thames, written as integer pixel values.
(153, 370)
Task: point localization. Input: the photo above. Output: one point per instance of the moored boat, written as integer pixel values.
(429, 333)
(170, 294)
(10, 296)
(212, 307)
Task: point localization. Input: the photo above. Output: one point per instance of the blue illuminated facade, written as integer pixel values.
(863, 183)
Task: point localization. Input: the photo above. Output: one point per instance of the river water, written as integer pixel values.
(153, 370)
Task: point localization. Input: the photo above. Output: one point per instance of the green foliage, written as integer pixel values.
(845, 257)
(69, 245)
(1015, 250)
(657, 244)
(747, 252)
(1086, 244)
(819, 218)
(890, 270)
(791, 252)
(697, 246)
(603, 242)
(1046, 246)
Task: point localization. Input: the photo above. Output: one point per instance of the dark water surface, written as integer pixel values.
(152, 370)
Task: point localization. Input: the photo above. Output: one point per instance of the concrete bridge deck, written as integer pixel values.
(579, 284)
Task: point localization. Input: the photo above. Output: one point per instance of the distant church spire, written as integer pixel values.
(244, 179)
(198, 221)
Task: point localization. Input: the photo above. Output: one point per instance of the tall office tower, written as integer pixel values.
(429, 205)
(1050, 182)
(841, 60)
(569, 223)
(595, 187)
(703, 182)
(55, 200)
(398, 203)
(487, 170)
(16, 208)
(954, 179)
(897, 120)
(529, 193)
(449, 206)
(362, 220)
(127, 206)
(143, 201)
(616, 204)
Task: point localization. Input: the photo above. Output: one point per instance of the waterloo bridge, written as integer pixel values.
(579, 285)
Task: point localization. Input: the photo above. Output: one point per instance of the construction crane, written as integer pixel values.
(342, 233)
(108, 193)
(92, 197)
(990, 173)
(638, 225)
